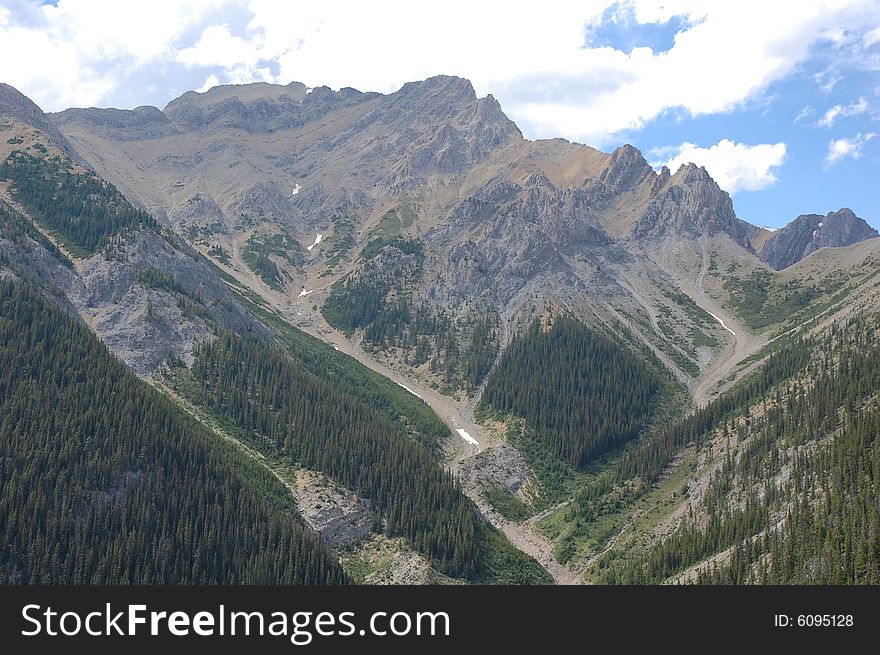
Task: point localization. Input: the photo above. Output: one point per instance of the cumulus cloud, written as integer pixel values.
(843, 111)
(843, 148)
(538, 63)
(734, 166)
(91, 52)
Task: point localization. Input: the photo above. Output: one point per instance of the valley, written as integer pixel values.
(458, 355)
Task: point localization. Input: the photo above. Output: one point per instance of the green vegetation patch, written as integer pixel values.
(394, 221)
(358, 300)
(580, 392)
(762, 299)
(219, 253)
(347, 373)
(259, 249)
(338, 244)
(82, 209)
(506, 503)
(14, 226)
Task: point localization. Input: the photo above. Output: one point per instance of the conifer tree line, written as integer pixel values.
(322, 427)
(579, 391)
(81, 208)
(18, 229)
(648, 458)
(820, 524)
(103, 480)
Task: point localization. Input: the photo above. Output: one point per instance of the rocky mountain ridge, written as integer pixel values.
(420, 233)
(506, 224)
(810, 232)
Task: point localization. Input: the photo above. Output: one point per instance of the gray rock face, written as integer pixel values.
(809, 232)
(121, 124)
(140, 323)
(514, 233)
(236, 107)
(435, 126)
(504, 466)
(691, 204)
(628, 170)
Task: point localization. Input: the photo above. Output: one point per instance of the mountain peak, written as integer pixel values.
(690, 173)
(449, 85)
(627, 168)
(690, 202)
(845, 213)
(810, 232)
(437, 125)
(295, 91)
(14, 103)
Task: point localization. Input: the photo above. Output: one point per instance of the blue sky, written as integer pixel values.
(779, 100)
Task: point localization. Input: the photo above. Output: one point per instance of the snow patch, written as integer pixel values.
(467, 437)
(814, 232)
(821, 224)
(317, 241)
(305, 293)
(769, 229)
(722, 323)
(295, 190)
(410, 390)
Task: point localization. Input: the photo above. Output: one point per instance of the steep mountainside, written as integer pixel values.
(809, 233)
(105, 481)
(160, 306)
(420, 233)
(295, 192)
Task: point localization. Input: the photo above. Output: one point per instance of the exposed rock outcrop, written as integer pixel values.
(809, 232)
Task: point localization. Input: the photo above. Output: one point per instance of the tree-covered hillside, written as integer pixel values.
(378, 299)
(103, 480)
(580, 393)
(280, 405)
(792, 475)
(81, 208)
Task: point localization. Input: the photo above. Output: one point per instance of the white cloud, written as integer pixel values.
(210, 82)
(84, 52)
(805, 113)
(534, 61)
(843, 111)
(218, 47)
(828, 79)
(839, 149)
(734, 166)
(872, 37)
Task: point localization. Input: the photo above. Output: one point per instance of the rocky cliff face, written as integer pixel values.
(508, 234)
(120, 124)
(147, 294)
(504, 222)
(810, 232)
(258, 107)
(690, 204)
